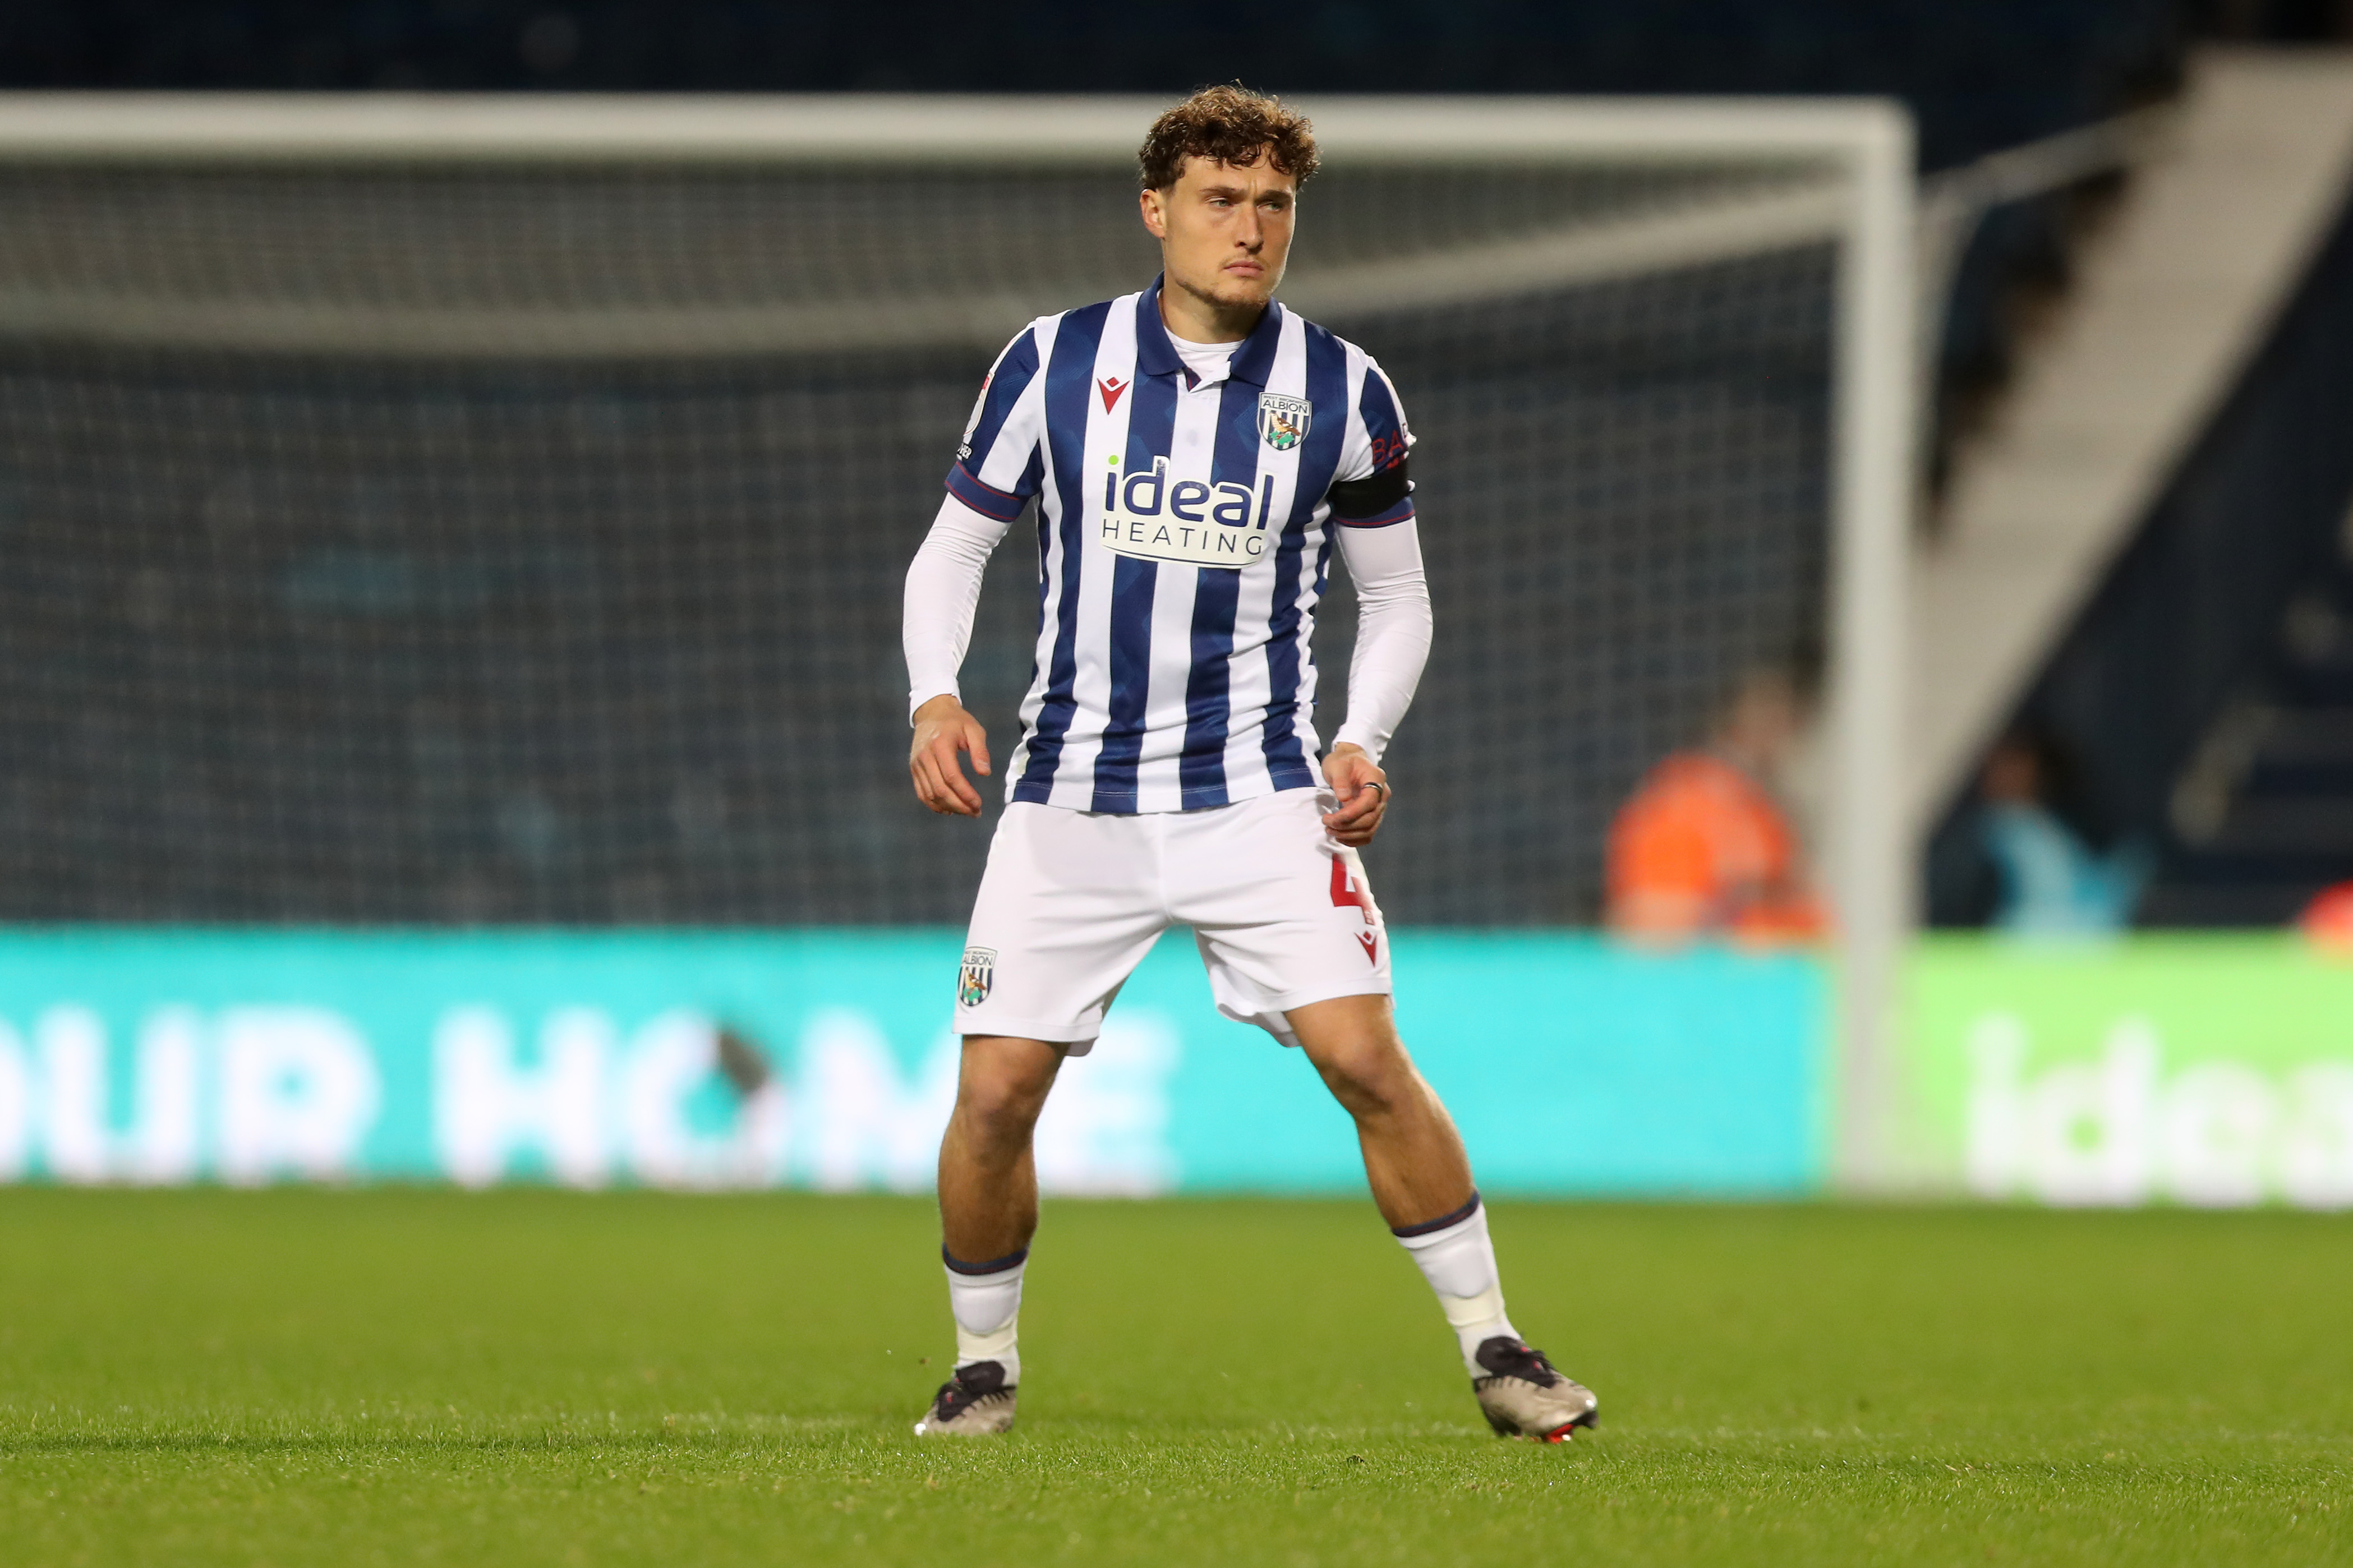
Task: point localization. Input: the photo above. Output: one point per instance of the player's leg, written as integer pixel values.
(1413, 1157)
(1421, 1179)
(1067, 907)
(988, 1178)
(988, 1211)
(1295, 943)
(1414, 1161)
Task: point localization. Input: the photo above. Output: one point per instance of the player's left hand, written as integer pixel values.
(1363, 791)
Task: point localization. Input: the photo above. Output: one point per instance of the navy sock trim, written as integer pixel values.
(995, 1265)
(1441, 1222)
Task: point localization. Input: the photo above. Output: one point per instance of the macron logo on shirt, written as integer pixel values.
(1111, 386)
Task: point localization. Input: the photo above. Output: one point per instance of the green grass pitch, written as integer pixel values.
(295, 1377)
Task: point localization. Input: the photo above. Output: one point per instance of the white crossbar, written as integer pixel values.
(890, 128)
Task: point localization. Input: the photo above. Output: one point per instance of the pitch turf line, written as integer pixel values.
(520, 1377)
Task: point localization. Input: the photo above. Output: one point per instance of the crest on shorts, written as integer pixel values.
(978, 974)
(1282, 419)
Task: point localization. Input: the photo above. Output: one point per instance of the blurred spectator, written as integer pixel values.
(1704, 847)
(2328, 921)
(2049, 879)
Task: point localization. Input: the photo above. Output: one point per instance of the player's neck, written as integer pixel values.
(1188, 316)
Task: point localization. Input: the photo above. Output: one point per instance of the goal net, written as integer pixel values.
(495, 510)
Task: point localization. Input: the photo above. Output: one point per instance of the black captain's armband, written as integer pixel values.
(1372, 495)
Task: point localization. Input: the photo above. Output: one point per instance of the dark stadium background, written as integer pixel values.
(88, 832)
(1980, 77)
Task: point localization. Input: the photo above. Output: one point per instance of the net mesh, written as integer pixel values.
(524, 545)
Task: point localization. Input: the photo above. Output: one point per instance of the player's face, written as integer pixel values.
(1224, 230)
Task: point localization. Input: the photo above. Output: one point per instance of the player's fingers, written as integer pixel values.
(943, 753)
(947, 792)
(975, 740)
(927, 782)
(1354, 824)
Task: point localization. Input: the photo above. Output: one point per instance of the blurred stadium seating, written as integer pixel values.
(2237, 770)
(313, 627)
(1979, 78)
(2208, 688)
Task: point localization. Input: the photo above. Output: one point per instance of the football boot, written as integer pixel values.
(976, 1402)
(1524, 1396)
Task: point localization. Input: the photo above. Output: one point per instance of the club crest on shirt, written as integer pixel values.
(1282, 419)
(978, 974)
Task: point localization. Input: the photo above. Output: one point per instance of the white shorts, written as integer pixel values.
(1073, 899)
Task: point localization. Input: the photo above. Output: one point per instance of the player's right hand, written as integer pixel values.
(943, 729)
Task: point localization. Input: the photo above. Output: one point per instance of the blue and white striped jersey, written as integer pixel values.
(1183, 538)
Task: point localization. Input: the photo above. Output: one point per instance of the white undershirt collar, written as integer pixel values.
(1208, 362)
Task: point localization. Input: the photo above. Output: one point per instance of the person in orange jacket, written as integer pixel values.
(2328, 921)
(1704, 848)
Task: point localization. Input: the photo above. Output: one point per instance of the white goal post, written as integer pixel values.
(1841, 173)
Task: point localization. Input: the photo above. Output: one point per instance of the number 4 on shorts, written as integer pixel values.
(1345, 892)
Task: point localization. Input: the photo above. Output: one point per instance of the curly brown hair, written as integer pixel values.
(1229, 124)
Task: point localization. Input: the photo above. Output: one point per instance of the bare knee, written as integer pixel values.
(1371, 1078)
(1003, 1085)
(1355, 1047)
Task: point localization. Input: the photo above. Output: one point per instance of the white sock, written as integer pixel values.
(1455, 1255)
(987, 1300)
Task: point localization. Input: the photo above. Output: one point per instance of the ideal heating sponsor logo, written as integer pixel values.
(1150, 516)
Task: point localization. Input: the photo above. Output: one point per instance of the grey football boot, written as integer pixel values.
(976, 1402)
(1524, 1396)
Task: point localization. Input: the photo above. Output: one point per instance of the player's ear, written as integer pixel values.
(1156, 213)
